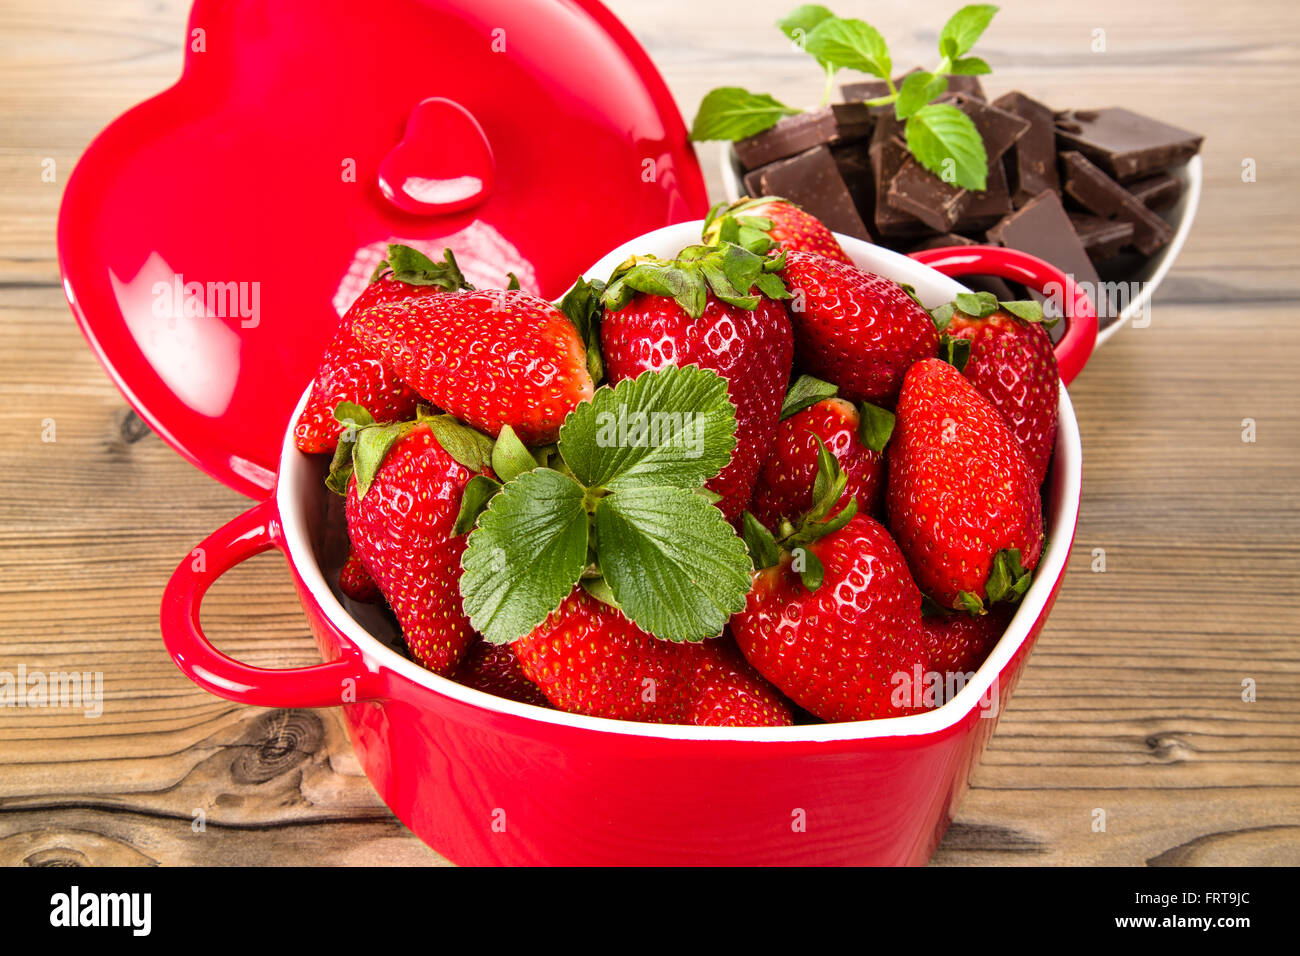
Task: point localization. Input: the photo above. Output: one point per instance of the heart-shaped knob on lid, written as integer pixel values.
(443, 163)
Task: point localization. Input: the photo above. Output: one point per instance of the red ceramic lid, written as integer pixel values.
(210, 238)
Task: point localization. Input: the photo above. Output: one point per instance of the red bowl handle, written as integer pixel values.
(339, 681)
(1076, 345)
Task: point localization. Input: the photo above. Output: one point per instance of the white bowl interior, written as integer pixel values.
(311, 517)
(1148, 275)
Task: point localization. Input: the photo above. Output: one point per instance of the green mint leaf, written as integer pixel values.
(806, 392)
(510, 457)
(764, 552)
(875, 426)
(963, 29)
(732, 113)
(801, 21)
(945, 141)
(676, 567)
(969, 66)
(917, 90)
(849, 44)
(673, 426)
(525, 556)
(471, 448)
(979, 305)
(478, 492)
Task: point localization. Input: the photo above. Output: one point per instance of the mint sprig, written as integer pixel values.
(732, 113)
(618, 509)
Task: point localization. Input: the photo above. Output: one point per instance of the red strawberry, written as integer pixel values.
(958, 643)
(355, 581)
(494, 669)
(589, 659)
(782, 222)
(349, 372)
(785, 483)
(1012, 364)
(855, 329)
(838, 650)
(749, 345)
(489, 358)
(401, 528)
(960, 492)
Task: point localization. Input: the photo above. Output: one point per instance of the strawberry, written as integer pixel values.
(355, 581)
(494, 669)
(855, 329)
(349, 372)
(961, 496)
(762, 223)
(785, 483)
(489, 358)
(589, 659)
(402, 506)
(1012, 363)
(743, 336)
(837, 649)
(958, 643)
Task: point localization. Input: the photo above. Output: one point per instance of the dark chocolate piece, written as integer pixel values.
(1157, 192)
(831, 125)
(1102, 238)
(854, 161)
(1031, 162)
(1041, 228)
(916, 190)
(1098, 193)
(874, 89)
(812, 181)
(999, 128)
(888, 154)
(1125, 144)
(984, 209)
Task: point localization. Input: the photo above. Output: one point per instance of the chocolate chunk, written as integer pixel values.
(854, 161)
(984, 209)
(1031, 162)
(1098, 193)
(1041, 228)
(837, 123)
(888, 154)
(1102, 238)
(812, 181)
(999, 128)
(1157, 192)
(874, 89)
(1125, 144)
(916, 190)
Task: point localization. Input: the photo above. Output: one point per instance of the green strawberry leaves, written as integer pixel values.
(980, 305)
(806, 392)
(655, 429)
(583, 305)
(525, 555)
(618, 509)
(875, 426)
(728, 271)
(415, 268)
(1008, 580)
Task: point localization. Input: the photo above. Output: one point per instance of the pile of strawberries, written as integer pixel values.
(840, 493)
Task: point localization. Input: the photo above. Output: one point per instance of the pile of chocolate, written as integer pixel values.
(1080, 189)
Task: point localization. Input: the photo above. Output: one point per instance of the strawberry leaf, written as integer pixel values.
(955, 351)
(979, 305)
(371, 448)
(667, 427)
(942, 316)
(945, 141)
(966, 601)
(582, 304)
(1007, 580)
(1027, 310)
(471, 448)
(811, 572)
(415, 268)
(674, 564)
(875, 426)
(525, 556)
(806, 392)
(510, 457)
(478, 492)
(764, 552)
(732, 113)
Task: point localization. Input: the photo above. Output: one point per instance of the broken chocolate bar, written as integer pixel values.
(1041, 228)
(916, 190)
(1157, 192)
(1125, 144)
(888, 154)
(1031, 162)
(874, 89)
(812, 181)
(984, 209)
(1101, 238)
(831, 125)
(1099, 194)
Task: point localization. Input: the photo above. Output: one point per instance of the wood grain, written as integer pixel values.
(1132, 702)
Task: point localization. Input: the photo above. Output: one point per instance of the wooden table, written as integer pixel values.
(1132, 702)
